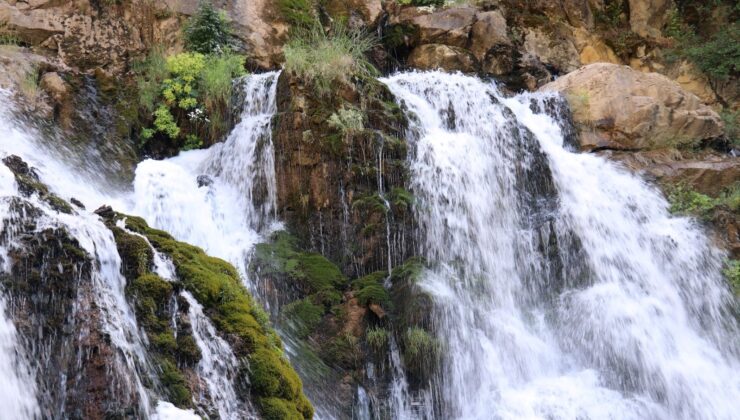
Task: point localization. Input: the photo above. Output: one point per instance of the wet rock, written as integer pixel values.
(204, 181)
(620, 108)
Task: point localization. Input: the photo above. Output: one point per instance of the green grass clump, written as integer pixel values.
(217, 286)
(377, 339)
(298, 13)
(420, 350)
(325, 58)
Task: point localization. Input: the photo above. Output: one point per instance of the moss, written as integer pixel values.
(401, 199)
(136, 254)
(342, 351)
(409, 271)
(174, 383)
(277, 409)
(150, 294)
(313, 272)
(187, 349)
(165, 342)
(370, 289)
(217, 286)
(58, 204)
(304, 316)
(420, 351)
(372, 203)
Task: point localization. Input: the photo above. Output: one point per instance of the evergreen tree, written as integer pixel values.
(208, 31)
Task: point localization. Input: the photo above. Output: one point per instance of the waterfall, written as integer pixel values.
(563, 288)
(217, 366)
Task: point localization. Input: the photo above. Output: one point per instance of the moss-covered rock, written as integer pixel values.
(217, 286)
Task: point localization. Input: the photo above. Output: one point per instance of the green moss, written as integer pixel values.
(342, 351)
(277, 409)
(217, 286)
(420, 350)
(174, 383)
(58, 204)
(312, 272)
(151, 294)
(370, 289)
(136, 254)
(165, 342)
(401, 198)
(409, 271)
(187, 349)
(303, 316)
(372, 203)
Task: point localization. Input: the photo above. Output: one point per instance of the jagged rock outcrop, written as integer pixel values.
(619, 108)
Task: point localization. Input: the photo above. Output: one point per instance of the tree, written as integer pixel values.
(208, 31)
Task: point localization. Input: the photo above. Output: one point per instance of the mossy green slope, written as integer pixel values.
(274, 385)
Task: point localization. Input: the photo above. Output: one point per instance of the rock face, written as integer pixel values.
(647, 17)
(437, 56)
(619, 108)
(340, 190)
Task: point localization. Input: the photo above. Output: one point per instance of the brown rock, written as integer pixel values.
(557, 50)
(620, 108)
(488, 31)
(449, 26)
(437, 56)
(647, 17)
(54, 85)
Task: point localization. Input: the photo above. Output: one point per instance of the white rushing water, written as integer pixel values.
(563, 288)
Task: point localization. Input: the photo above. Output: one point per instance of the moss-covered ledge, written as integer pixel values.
(269, 379)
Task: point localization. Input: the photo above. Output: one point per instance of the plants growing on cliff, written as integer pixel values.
(298, 13)
(377, 338)
(187, 95)
(208, 31)
(686, 201)
(732, 274)
(325, 58)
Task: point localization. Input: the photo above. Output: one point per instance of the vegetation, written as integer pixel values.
(420, 350)
(324, 58)
(732, 273)
(731, 119)
(208, 31)
(184, 98)
(686, 201)
(217, 286)
(377, 339)
(304, 316)
(717, 54)
(370, 289)
(299, 13)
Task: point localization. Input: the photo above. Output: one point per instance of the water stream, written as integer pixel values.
(563, 288)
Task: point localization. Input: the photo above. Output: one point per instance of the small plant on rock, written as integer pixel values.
(208, 31)
(324, 58)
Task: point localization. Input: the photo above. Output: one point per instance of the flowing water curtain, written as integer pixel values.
(562, 286)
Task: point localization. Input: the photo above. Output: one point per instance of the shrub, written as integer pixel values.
(685, 201)
(347, 120)
(187, 95)
(208, 31)
(731, 119)
(732, 273)
(324, 59)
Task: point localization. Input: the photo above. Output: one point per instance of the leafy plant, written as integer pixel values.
(685, 201)
(732, 274)
(187, 94)
(326, 58)
(208, 31)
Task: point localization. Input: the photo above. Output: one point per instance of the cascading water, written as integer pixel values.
(562, 286)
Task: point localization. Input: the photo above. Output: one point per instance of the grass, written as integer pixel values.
(324, 59)
(377, 338)
(732, 274)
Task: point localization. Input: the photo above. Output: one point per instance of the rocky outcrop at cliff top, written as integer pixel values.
(617, 107)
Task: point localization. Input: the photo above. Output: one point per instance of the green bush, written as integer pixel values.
(685, 201)
(731, 119)
(732, 273)
(717, 55)
(208, 31)
(325, 58)
(186, 96)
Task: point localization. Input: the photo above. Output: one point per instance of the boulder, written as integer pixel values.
(618, 107)
(488, 31)
(445, 57)
(366, 11)
(556, 50)
(449, 26)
